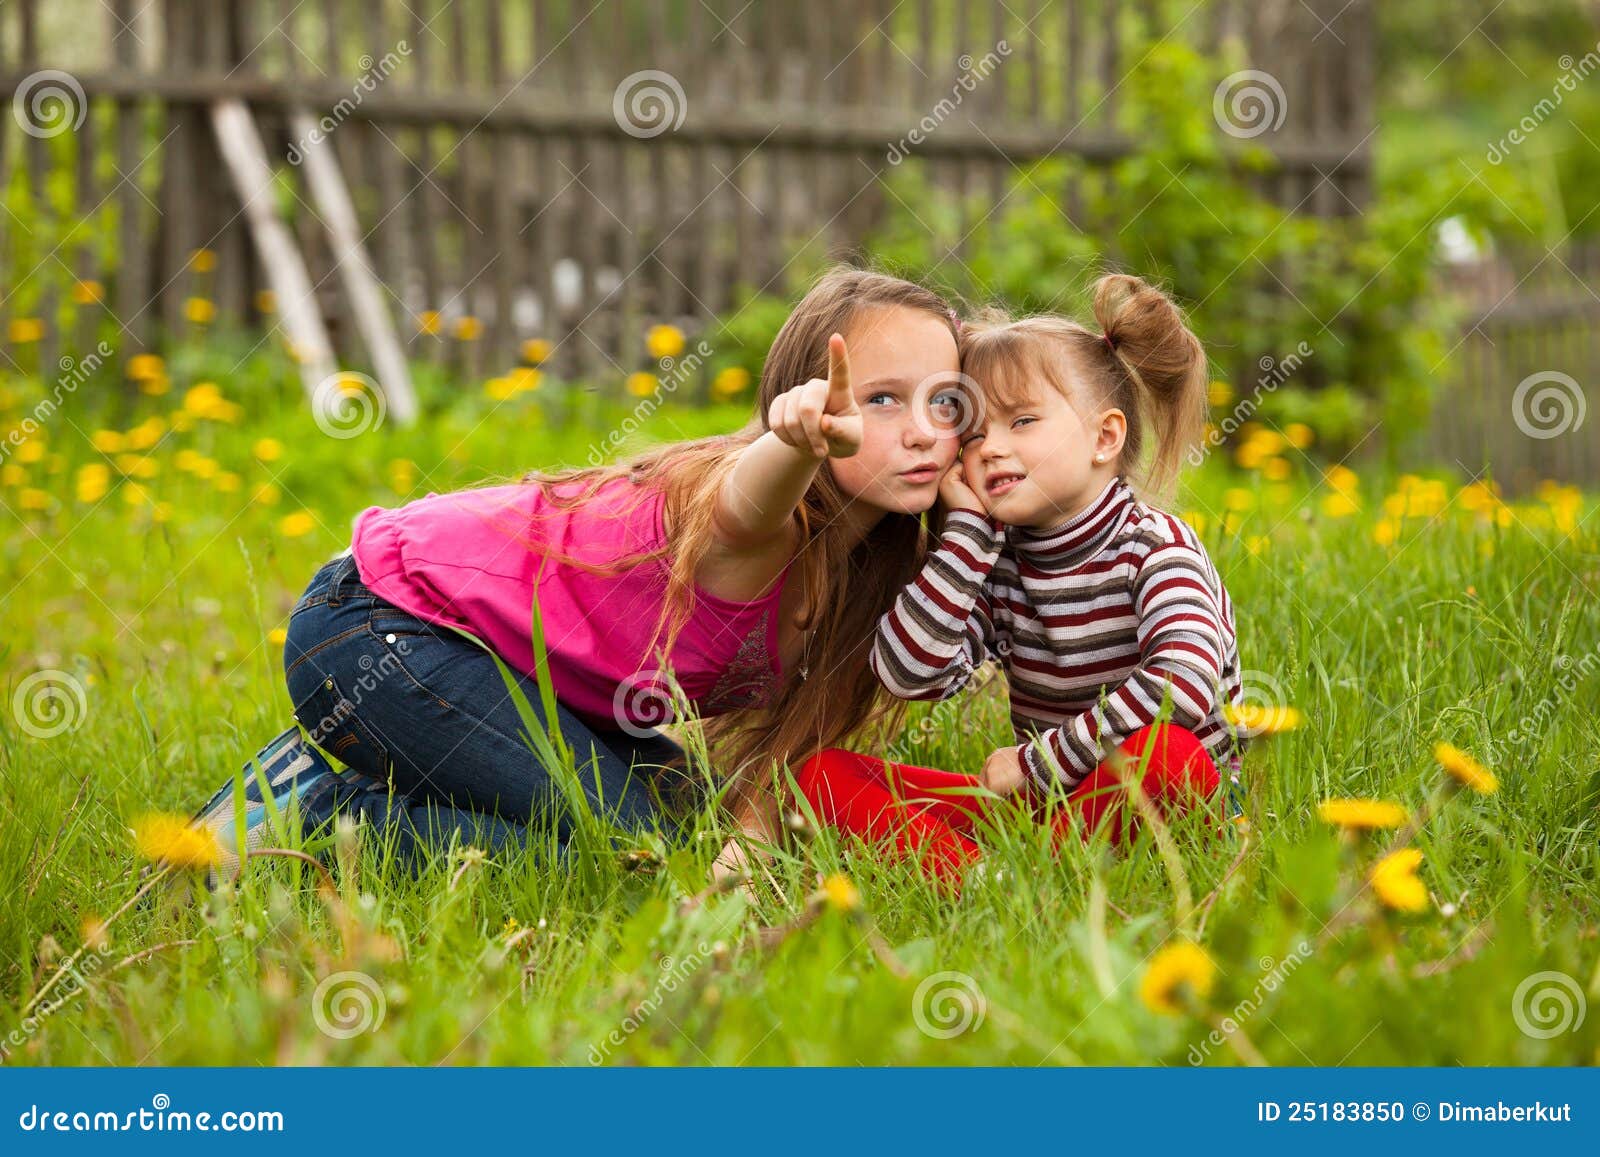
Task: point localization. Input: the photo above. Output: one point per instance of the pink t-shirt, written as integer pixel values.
(471, 559)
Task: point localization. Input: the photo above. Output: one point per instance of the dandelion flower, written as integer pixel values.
(25, 330)
(1256, 720)
(1178, 972)
(297, 525)
(467, 328)
(536, 350)
(1394, 880)
(664, 341)
(266, 301)
(1466, 770)
(428, 321)
(88, 292)
(730, 383)
(200, 311)
(278, 636)
(1219, 393)
(841, 893)
(1362, 814)
(642, 385)
(170, 839)
(268, 449)
(145, 367)
(203, 260)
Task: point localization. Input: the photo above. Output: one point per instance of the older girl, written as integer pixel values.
(749, 570)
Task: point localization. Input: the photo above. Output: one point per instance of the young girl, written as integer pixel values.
(1101, 608)
(748, 569)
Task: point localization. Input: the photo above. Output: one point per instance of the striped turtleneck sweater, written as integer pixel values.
(1097, 622)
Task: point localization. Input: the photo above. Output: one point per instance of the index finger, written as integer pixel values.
(838, 372)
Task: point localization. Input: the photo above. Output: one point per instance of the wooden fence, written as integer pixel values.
(1523, 372)
(575, 169)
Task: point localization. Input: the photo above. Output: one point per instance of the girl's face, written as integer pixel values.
(1033, 462)
(903, 370)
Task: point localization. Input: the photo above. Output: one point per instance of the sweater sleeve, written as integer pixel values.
(940, 628)
(1180, 636)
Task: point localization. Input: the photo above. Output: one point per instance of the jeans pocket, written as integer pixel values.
(329, 717)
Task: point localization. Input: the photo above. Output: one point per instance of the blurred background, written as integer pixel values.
(1382, 217)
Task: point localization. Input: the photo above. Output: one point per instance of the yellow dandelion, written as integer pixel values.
(88, 292)
(1395, 882)
(1340, 505)
(200, 310)
(500, 388)
(203, 260)
(467, 328)
(1465, 770)
(1385, 532)
(664, 341)
(170, 839)
(1178, 974)
(25, 330)
(142, 367)
(1362, 814)
(1275, 469)
(536, 350)
(1299, 435)
(526, 378)
(107, 441)
(297, 525)
(428, 321)
(32, 499)
(1261, 720)
(266, 301)
(1238, 499)
(12, 475)
(267, 449)
(642, 385)
(267, 494)
(30, 452)
(155, 387)
(730, 383)
(841, 893)
(402, 474)
(278, 636)
(1219, 393)
(227, 482)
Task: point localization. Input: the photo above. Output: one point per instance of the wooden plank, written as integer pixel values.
(246, 158)
(132, 290)
(367, 300)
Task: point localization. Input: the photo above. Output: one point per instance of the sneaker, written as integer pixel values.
(293, 769)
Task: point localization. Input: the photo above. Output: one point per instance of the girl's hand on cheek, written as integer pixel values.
(1002, 772)
(957, 494)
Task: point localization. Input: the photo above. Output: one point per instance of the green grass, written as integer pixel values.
(1456, 631)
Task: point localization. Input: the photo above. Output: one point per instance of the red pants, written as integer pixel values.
(912, 809)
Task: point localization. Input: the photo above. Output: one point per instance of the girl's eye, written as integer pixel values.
(946, 407)
(1022, 421)
(881, 398)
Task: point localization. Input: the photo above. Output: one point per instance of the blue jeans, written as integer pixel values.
(423, 710)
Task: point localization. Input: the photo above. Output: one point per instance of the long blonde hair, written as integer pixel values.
(846, 587)
(1143, 360)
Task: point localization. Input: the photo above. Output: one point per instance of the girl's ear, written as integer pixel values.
(1112, 433)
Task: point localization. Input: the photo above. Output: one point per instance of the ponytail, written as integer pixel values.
(1146, 339)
